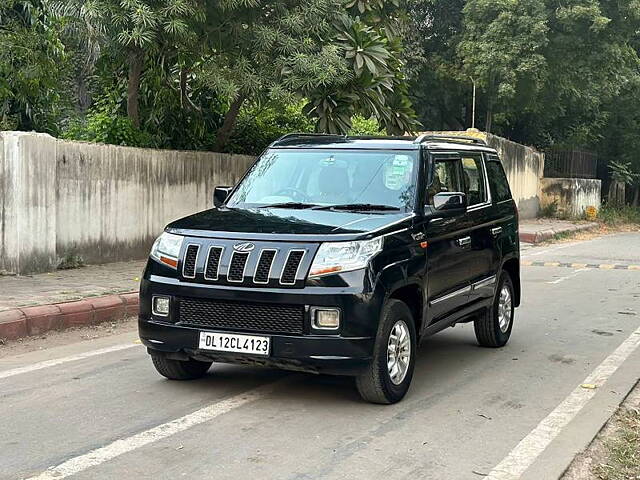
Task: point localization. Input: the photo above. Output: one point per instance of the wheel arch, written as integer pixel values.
(512, 267)
(411, 295)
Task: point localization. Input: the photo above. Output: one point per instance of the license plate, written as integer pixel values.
(231, 342)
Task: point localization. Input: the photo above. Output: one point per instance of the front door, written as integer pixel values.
(447, 279)
(482, 256)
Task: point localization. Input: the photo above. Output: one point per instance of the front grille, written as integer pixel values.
(260, 264)
(213, 263)
(264, 266)
(290, 269)
(190, 260)
(236, 268)
(237, 316)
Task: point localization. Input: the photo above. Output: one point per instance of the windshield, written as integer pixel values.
(355, 179)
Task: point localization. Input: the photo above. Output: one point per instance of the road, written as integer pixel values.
(98, 410)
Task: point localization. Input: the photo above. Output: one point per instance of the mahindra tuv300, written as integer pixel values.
(338, 255)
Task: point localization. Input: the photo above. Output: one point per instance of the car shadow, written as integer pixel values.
(440, 358)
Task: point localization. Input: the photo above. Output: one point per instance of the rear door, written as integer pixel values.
(504, 213)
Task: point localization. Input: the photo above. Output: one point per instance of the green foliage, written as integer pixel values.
(259, 126)
(365, 126)
(619, 215)
(107, 127)
(32, 65)
(550, 210)
(622, 173)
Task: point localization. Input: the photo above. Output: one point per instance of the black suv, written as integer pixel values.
(338, 255)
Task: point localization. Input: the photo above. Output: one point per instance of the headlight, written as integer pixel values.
(344, 256)
(166, 249)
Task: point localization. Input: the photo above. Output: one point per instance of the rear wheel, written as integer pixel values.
(179, 369)
(388, 376)
(493, 328)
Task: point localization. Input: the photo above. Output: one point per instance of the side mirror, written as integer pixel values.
(452, 202)
(220, 195)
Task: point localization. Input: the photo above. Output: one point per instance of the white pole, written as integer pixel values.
(473, 110)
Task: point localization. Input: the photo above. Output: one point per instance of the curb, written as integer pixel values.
(23, 322)
(543, 235)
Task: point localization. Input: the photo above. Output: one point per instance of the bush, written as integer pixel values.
(365, 126)
(106, 127)
(257, 127)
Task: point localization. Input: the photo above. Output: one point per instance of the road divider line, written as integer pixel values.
(60, 361)
(530, 447)
(567, 277)
(119, 447)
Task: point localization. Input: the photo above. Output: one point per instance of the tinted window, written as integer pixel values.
(474, 180)
(498, 181)
(447, 177)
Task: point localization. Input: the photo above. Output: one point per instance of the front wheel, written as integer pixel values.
(388, 376)
(179, 369)
(493, 328)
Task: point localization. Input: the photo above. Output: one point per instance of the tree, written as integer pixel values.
(312, 49)
(137, 30)
(32, 66)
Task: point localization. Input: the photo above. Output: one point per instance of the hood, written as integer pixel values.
(287, 224)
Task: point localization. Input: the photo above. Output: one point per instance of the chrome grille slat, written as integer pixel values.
(237, 266)
(190, 261)
(262, 274)
(291, 267)
(213, 263)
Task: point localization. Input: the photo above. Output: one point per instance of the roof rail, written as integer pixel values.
(303, 135)
(449, 138)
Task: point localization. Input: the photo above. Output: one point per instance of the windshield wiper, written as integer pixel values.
(291, 205)
(363, 207)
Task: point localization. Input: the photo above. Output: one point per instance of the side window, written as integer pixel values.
(447, 177)
(474, 180)
(498, 180)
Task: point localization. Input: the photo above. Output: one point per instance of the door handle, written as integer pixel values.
(496, 231)
(463, 242)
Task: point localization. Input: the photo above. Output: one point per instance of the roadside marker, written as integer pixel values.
(60, 361)
(119, 447)
(530, 447)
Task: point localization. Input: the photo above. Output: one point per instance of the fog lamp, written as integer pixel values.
(325, 318)
(161, 306)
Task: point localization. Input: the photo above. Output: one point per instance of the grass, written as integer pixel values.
(622, 461)
(619, 216)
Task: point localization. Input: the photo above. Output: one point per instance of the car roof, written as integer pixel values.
(435, 142)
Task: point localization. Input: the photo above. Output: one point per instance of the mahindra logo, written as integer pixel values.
(244, 247)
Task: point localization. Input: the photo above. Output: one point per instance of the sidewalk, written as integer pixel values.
(542, 229)
(34, 304)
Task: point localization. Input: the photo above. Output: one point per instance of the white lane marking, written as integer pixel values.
(547, 250)
(562, 279)
(60, 361)
(530, 447)
(119, 447)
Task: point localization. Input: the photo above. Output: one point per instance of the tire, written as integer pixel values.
(489, 331)
(375, 384)
(179, 369)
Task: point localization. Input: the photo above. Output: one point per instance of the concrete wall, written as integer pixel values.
(27, 202)
(102, 202)
(571, 195)
(525, 168)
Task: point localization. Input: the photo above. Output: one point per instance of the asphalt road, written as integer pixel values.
(110, 415)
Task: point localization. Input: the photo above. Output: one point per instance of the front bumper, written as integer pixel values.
(316, 354)
(346, 351)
